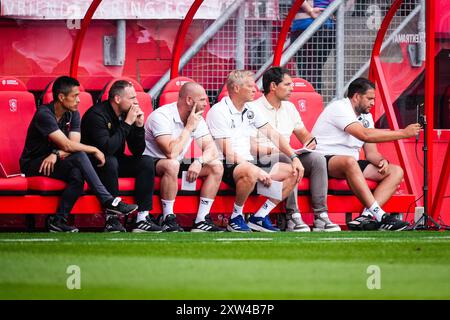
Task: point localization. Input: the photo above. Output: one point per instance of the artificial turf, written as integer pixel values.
(413, 265)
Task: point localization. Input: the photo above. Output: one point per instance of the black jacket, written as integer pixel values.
(100, 127)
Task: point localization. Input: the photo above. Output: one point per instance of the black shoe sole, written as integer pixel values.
(146, 231)
(115, 212)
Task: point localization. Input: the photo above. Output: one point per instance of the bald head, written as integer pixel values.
(192, 93)
(190, 88)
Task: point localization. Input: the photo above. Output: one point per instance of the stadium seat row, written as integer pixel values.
(39, 195)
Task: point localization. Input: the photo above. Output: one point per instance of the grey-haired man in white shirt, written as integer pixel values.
(231, 123)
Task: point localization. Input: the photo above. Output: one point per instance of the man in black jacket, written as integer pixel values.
(53, 149)
(107, 126)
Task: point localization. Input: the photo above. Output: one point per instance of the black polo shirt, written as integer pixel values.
(37, 144)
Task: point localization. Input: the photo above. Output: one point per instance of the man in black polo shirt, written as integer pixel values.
(108, 125)
(53, 149)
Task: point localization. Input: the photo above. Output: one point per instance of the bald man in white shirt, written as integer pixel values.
(169, 131)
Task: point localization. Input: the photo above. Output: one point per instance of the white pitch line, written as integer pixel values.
(29, 240)
(434, 237)
(346, 239)
(244, 239)
(143, 239)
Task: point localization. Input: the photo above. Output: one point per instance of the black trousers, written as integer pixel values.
(142, 168)
(74, 170)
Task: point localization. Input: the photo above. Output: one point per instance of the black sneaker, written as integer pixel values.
(59, 224)
(147, 225)
(391, 223)
(116, 206)
(206, 226)
(363, 223)
(169, 224)
(113, 224)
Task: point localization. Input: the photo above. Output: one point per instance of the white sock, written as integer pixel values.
(167, 206)
(321, 214)
(237, 211)
(203, 209)
(141, 215)
(265, 209)
(366, 213)
(296, 215)
(376, 210)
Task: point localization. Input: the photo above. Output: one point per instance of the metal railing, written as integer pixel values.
(244, 38)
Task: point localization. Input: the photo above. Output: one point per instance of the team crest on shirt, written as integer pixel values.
(250, 114)
(109, 125)
(364, 122)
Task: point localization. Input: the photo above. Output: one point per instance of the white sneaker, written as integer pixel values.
(323, 223)
(294, 223)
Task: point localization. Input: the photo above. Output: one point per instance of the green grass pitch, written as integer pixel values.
(408, 265)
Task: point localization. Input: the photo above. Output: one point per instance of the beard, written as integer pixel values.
(361, 110)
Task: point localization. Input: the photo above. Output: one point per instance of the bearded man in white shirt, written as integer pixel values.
(342, 129)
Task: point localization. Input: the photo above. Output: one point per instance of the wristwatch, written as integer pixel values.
(56, 151)
(200, 160)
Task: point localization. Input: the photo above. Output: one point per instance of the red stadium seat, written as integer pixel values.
(17, 108)
(171, 90)
(85, 98)
(308, 103)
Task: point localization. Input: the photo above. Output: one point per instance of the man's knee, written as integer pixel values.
(396, 171)
(76, 178)
(79, 156)
(350, 165)
(318, 160)
(216, 169)
(171, 167)
(246, 174)
(284, 158)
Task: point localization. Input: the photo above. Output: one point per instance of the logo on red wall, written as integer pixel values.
(12, 105)
(301, 105)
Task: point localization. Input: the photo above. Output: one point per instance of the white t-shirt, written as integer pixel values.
(329, 129)
(166, 121)
(285, 120)
(225, 121)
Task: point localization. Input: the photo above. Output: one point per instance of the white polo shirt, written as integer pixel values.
(329, 129)
(166, 121)
(225, 121)
(285, 120)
